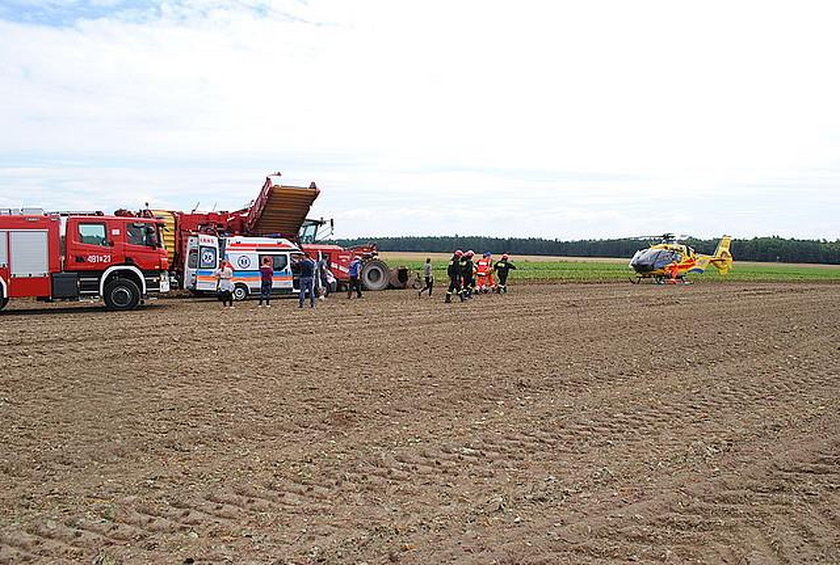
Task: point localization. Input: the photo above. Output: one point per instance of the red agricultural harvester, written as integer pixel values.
(68, 256)
(279, 212)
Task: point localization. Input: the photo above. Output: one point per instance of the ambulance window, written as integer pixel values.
(192, 259)
(280, 262)
(208, 257)
(92, 234)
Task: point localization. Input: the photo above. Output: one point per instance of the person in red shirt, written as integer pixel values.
(266, 280)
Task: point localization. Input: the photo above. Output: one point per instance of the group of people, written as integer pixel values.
(315, 279)
(468, 277)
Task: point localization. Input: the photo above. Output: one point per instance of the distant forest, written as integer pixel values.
(770, 249)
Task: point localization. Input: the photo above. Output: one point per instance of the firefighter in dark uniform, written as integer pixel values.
(468, 273)
(502, 267)
(453, 270)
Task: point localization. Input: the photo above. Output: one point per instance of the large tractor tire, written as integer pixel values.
(3, 302)
(375, 275)
(122, 294)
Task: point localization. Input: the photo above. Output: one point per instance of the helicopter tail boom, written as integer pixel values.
(722, 259)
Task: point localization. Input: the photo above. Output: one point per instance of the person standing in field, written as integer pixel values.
(427, 278)
(453, 271)
(307, 281)
(323, 275)
(225, 276)
(503, 267)
(468, 273)
(484, 273)
(355, 272)
(266, 282)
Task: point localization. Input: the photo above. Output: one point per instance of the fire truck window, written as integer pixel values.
(92, 234)
(142, 234)
(192, 259)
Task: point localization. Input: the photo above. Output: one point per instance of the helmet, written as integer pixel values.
(504, 257)
(487, 254)
(458, 253)
(470, 253)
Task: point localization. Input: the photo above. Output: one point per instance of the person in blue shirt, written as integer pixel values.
(307, 281)
(355, 272)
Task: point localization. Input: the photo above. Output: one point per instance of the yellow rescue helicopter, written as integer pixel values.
(669, 261)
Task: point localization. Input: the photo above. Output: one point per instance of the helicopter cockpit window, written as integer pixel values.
(653, 259)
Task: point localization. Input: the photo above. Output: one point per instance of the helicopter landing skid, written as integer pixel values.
(660, 280)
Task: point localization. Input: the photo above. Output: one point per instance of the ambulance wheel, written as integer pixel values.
(3, 302)
(122, 294)
(240, 292)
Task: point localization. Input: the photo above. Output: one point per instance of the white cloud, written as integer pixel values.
(562, 119)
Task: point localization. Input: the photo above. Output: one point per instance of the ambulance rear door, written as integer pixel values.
(201, 263)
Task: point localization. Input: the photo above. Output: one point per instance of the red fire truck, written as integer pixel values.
(67, 257)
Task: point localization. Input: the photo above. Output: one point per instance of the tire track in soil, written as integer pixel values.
(737, 516)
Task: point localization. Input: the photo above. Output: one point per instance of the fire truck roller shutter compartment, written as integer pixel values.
(29, 253)
(4, 248)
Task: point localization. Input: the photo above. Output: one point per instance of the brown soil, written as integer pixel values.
(557, 424)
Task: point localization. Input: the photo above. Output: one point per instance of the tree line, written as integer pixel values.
(767, 249)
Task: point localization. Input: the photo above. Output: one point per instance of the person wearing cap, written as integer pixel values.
(503, 267)
(453, 271)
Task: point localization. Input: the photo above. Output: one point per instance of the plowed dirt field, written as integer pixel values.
(557, 424)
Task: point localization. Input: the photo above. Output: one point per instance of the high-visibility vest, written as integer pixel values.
(483, 266)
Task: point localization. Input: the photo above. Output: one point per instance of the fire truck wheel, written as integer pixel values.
(122, 294)
(3, 302)
(240, 292)
(375, 275)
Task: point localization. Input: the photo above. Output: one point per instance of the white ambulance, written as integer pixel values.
(246, 254)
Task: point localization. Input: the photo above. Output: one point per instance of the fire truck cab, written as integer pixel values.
(53, 257)
(246, 255)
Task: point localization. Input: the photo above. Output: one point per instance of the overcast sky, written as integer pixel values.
(580, 119)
